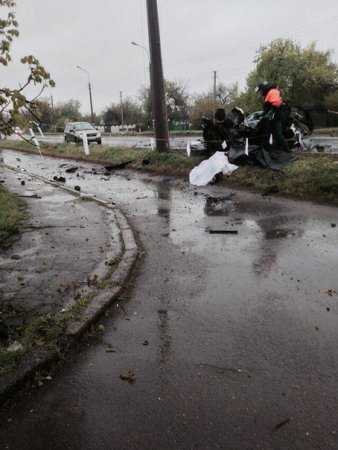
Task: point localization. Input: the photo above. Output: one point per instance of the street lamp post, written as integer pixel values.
(150, 76)
(149, 64)
(90, 93)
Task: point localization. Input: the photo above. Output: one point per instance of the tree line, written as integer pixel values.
(306, 76)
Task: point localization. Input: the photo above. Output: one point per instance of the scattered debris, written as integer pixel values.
(222, 231)
(129, 376)
(142, 197)
(145, 342)
(333, 225)
(59, 179)
(211, 199)
(121, 165)
(71, 169)
(16, 257)
(331, 292)
(30, 196)
(111, 350)
(281, 424)
(23, 182)
(77, 188)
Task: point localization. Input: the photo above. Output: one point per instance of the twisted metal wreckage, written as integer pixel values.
(241, 136)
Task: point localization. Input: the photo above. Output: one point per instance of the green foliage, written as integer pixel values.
(13, 101)
(304, 75)
(177, 100)
(132, 113)
(67, 112)
(176, 97)
(8, 360)
(331, 101)
(11, 212)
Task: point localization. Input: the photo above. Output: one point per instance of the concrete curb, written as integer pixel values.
(39, 359)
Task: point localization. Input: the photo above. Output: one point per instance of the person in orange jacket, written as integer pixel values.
(272, 114)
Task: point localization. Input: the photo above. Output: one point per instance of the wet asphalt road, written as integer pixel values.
(232, 337)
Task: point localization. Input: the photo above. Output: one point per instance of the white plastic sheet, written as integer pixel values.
(205, 172)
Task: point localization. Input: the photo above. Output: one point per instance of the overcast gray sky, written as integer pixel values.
(197, 37)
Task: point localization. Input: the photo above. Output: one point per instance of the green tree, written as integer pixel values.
(177, 101)
(14, 105)
(331, 101)
(303, 74)
(132, 113)
(67, 112)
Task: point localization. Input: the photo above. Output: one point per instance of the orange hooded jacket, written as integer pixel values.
(273, 97)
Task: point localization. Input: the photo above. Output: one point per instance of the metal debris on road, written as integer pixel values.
(223, 231)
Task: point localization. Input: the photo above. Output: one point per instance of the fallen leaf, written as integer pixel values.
(129, 376)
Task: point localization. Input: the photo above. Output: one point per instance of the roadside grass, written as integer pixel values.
(12, 211)
(326, 131)
(48, 330)
(9, 360)
(312, 177)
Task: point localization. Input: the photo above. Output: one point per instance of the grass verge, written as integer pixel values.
(312, 177)
(12, 211)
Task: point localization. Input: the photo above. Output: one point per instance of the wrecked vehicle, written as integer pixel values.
(240, 137)
(237, 130)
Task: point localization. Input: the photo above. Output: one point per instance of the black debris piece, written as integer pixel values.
(77, 188)
(223, 231)
(30, 196)
(281, 424)
(59, 179)
(211, 199)
(23, 183)
(71, 169)
(121, 165)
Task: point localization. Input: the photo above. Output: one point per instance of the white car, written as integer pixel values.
(74, 132)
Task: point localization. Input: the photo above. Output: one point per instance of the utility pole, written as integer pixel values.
(156, 78)
(51, 111)
(91, 102)
(90, 93)
(215, 78)
(121, 105)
